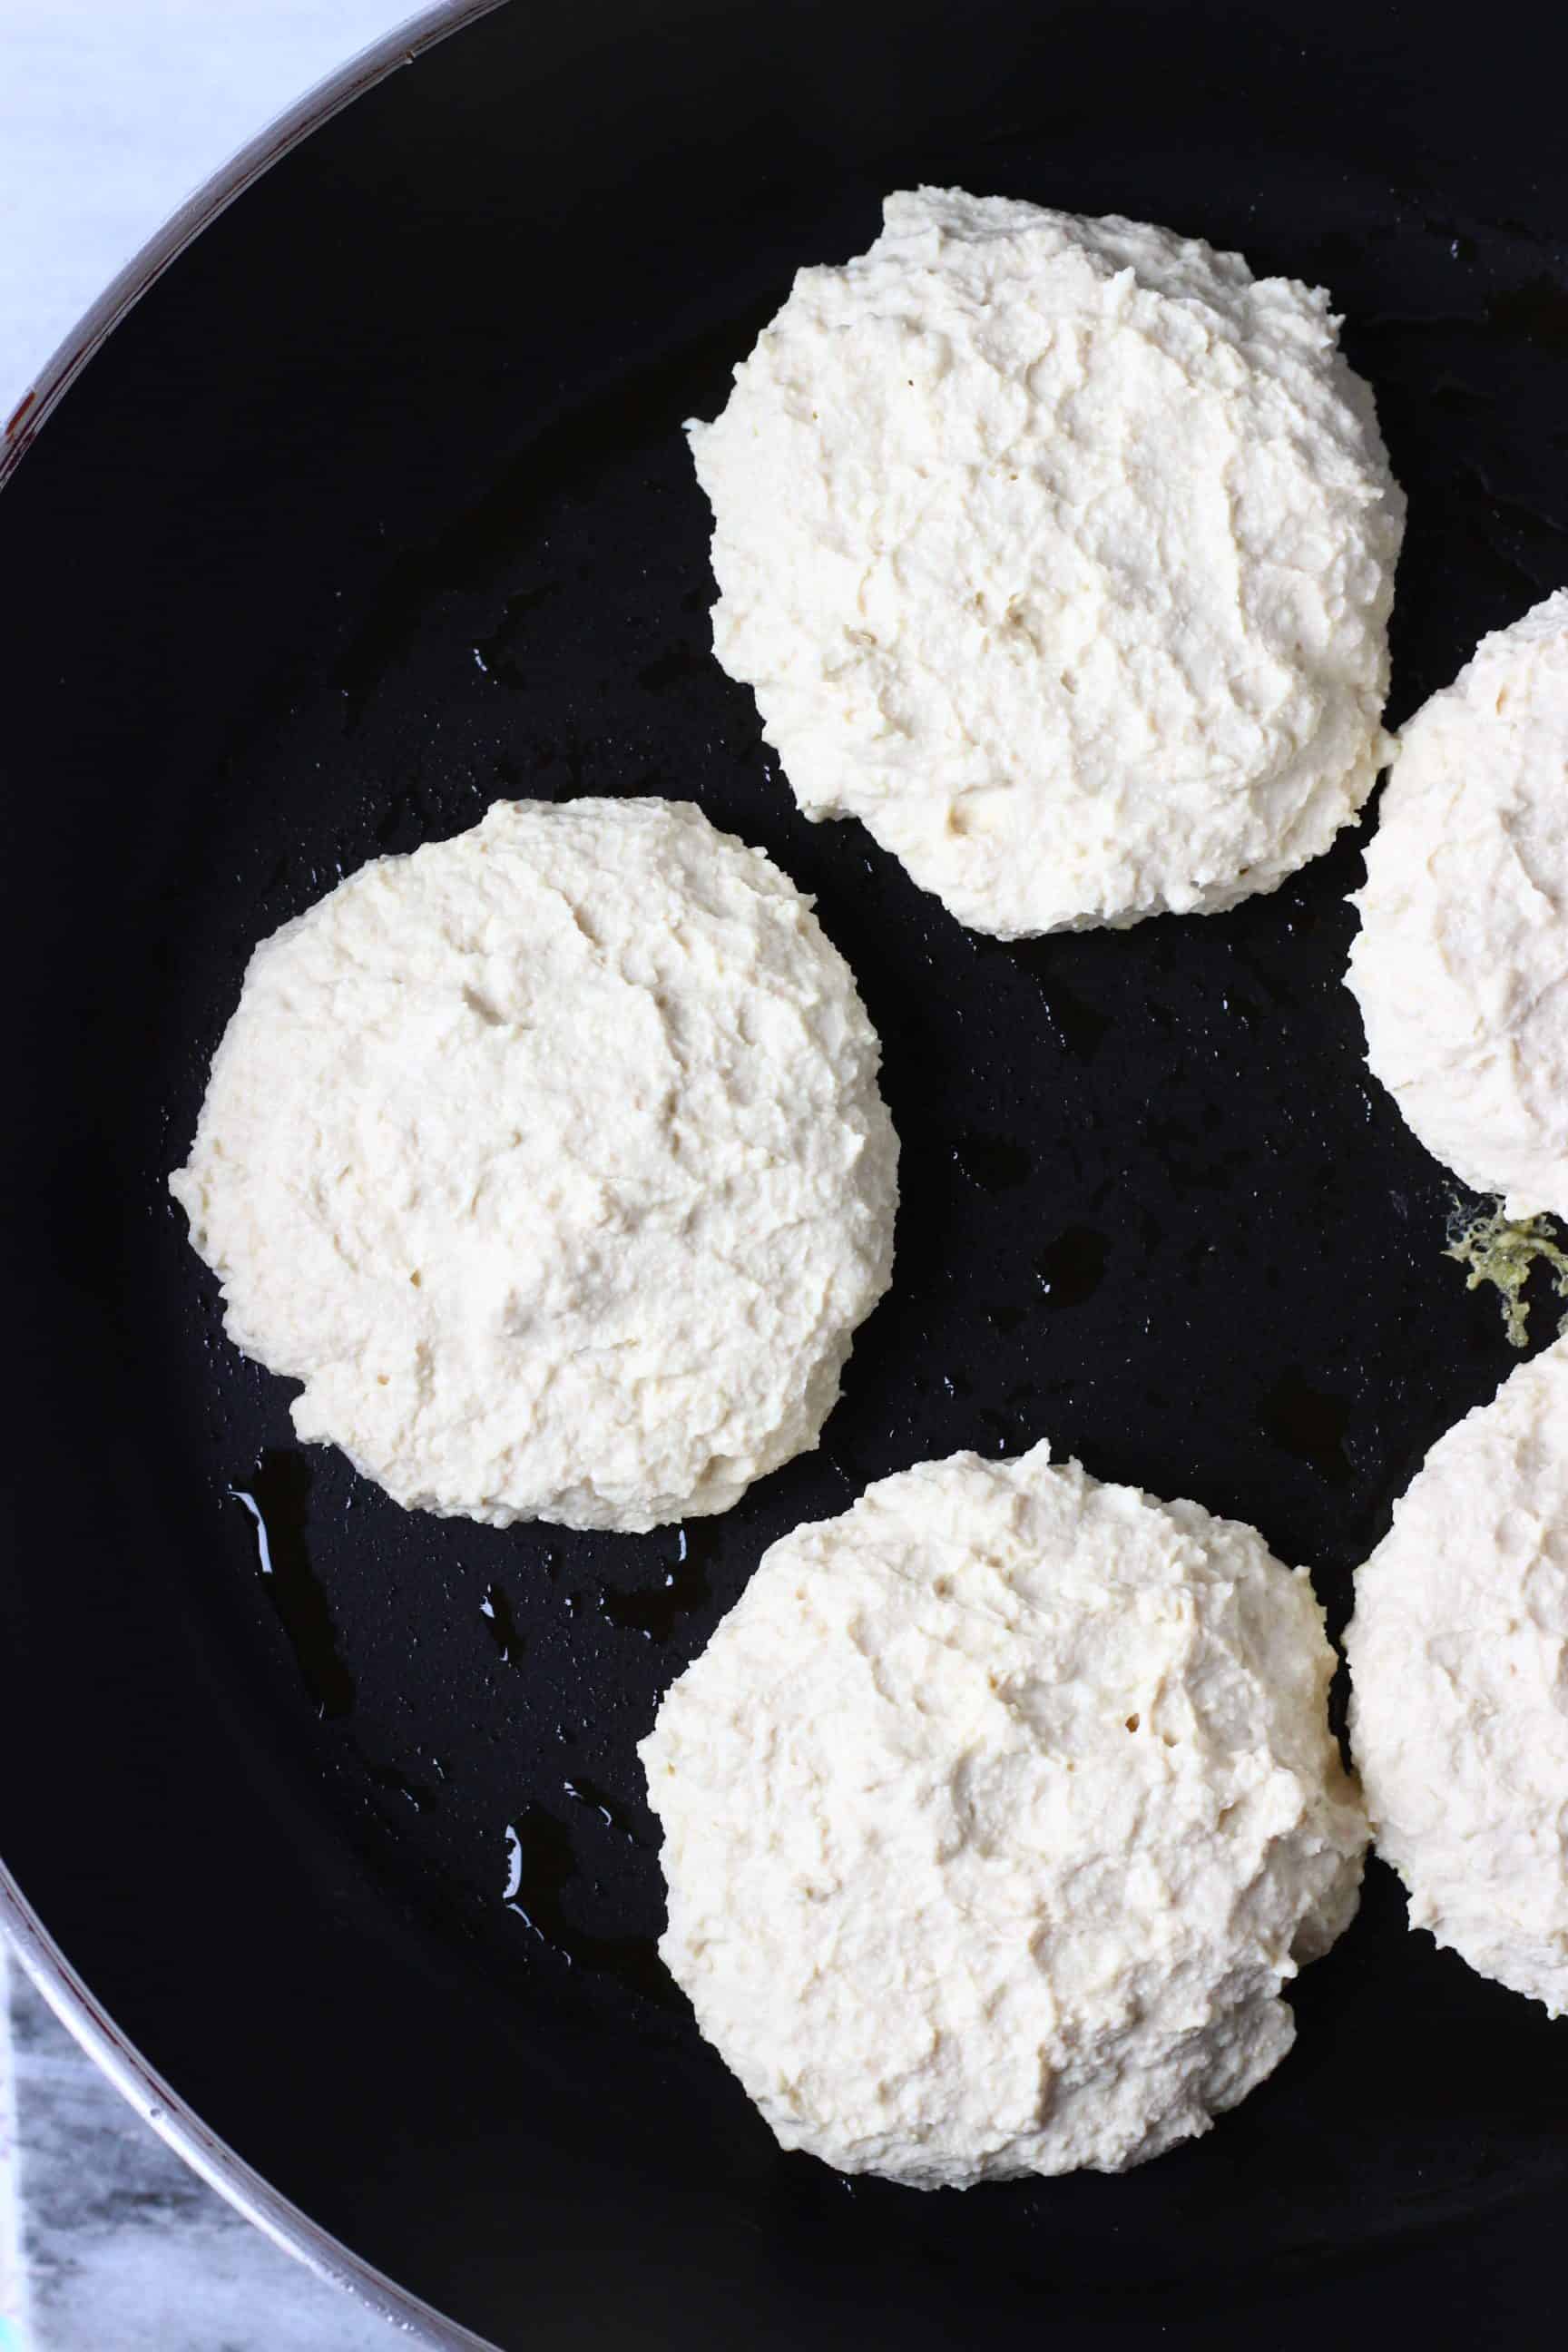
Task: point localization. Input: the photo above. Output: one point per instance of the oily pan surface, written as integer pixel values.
(331, 548)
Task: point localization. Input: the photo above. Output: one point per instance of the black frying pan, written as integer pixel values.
(376, 508)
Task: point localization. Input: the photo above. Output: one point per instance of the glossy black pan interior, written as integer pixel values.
(377, 507)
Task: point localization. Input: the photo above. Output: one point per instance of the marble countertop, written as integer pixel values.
(110, 115)
(108, 2243)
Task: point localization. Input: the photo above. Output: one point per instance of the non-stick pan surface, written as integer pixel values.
(378, 509)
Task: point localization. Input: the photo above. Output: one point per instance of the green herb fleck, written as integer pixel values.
(1506, 1254)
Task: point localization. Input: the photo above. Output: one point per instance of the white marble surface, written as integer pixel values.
(108, 2243)
(113, 111)
(12, 2279)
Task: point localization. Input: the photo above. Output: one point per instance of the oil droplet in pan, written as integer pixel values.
(585, 1792)
(1308, 1422)
(540, 1865)
(500, 1624)
(654, 1615)
(1070, 1270)
(992, 1161)
(276, 1498)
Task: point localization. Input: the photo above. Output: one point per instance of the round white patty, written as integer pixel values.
(1459, 1658)
(996, 1814)
(552, 1160)
(1060, 552)
(1461, 964)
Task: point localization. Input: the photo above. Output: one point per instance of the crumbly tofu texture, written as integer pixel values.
(1460, 966)
(552, 1160)
(1059, 551)
(1459, 1658)
(997, 1813)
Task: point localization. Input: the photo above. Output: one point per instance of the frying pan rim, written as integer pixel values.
(177, 2123)
(402, 47)
(21, 1928)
